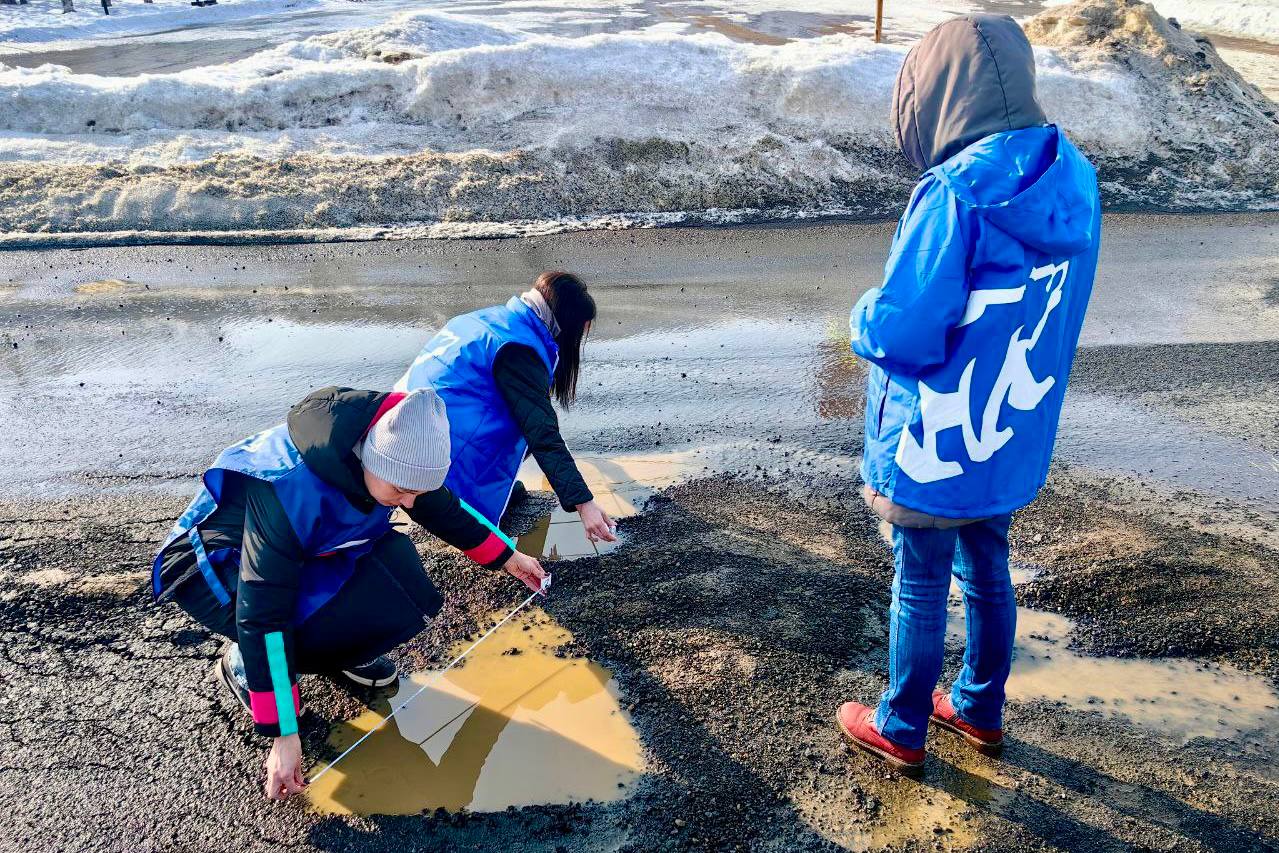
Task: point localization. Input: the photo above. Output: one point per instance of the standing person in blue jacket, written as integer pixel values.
(287, 550)
(497, 369)
(970, 339)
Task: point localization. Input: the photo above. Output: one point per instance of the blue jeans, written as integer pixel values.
(924, 559)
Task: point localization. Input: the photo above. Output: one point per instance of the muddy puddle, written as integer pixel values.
(106, 285)
(1176, 698)
(914, 817)
(621, 486)
(514, 724)
(517, 722)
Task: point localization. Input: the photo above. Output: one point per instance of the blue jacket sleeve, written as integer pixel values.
(902, 324)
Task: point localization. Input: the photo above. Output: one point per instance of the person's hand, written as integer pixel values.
(524, 568)
(599, 527)
(284, 768)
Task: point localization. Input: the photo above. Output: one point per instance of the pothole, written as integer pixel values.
(517, 723)
(1177, 698)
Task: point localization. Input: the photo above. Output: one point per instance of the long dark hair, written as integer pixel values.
(573, 308)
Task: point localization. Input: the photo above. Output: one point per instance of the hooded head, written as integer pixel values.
(408, 447)
(966, 79)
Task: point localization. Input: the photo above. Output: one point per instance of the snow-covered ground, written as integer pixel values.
(513, 115)
(42, 21)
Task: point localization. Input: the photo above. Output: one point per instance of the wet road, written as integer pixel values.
(134, 366)
(718, 349)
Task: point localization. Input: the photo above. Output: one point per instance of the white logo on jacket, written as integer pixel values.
(1015, 384)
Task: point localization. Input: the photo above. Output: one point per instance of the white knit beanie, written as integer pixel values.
(409, 446)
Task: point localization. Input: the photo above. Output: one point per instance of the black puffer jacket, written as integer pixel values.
(325, 427)
(522, 380)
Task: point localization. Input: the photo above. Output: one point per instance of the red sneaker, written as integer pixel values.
(986, 741)
(857, 722)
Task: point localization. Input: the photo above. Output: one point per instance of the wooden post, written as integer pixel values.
(879, 20)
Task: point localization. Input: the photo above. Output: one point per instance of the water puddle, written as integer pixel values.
(515, 724)
(621, 485)
(106, 285)
(910, 817)
(1178, 698)
(735, 30)
(1109, 434)
(515, 703)
(841, 380)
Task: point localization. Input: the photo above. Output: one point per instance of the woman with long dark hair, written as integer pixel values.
(496, 370)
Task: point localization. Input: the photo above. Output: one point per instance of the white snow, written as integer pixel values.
(459, 121)
(459, 85)
(1255, 19)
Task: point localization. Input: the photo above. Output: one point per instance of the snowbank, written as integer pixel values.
(432, 118)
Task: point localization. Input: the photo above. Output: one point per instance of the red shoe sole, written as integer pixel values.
(985, 747)
(906, 768)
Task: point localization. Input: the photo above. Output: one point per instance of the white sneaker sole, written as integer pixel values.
(370, 682)
(220, 673)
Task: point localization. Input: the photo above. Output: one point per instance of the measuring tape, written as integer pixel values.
(546, 584)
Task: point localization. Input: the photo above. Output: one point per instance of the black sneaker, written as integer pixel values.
(230, 671)
(378, 672)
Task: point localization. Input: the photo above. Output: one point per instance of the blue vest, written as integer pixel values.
(487, 445)
(333, 532)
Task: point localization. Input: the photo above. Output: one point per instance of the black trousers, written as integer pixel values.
(385, 603)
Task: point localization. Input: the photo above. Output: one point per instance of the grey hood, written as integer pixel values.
(966, 79)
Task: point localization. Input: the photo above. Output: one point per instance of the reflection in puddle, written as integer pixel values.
(513, 725)
(1176, 697)
(621, 486)
(841, 380)
(106, 285)
(559, 540)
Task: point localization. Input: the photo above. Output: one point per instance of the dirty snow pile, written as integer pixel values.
(1253, 19)
(468, 128)
(1211, 140)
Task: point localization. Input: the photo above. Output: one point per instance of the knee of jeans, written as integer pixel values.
(926, 589)
(925, 613)
(1000, 592)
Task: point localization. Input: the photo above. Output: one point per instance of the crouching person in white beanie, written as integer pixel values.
(287, 550)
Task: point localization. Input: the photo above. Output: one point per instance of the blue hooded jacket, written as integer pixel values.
(972, 334)
(973, 331)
